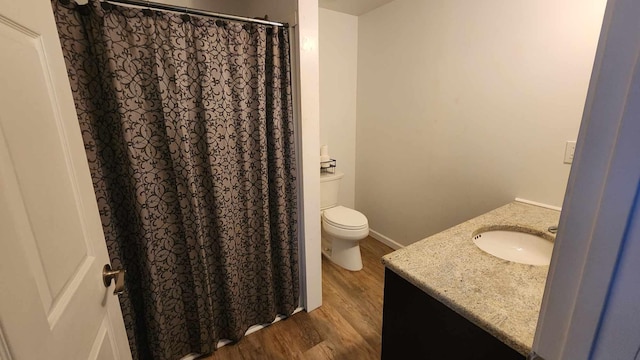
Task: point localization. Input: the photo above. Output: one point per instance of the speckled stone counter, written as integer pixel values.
(501, 297)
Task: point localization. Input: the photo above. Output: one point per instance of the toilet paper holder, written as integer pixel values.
(328, 166)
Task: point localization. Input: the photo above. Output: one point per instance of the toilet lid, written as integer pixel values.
(345, 218)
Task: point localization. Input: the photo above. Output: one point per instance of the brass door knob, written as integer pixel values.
(118, 275)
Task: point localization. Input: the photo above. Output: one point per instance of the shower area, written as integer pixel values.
(188, 126)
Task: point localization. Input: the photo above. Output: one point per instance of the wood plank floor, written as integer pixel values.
(347, 326)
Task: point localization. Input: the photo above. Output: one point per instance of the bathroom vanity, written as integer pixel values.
(446, 298)
(417, 326)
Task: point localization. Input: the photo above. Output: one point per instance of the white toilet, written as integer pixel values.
(342, 228)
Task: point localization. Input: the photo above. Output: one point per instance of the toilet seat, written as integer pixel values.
(344, 234)
(345, 219)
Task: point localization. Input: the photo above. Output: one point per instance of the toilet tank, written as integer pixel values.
(329, 186)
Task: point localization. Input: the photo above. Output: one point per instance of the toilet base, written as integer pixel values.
(344, 253)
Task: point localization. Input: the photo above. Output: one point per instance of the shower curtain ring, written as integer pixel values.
(185, 17)
(148, 11)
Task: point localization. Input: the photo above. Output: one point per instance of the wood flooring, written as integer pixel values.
(347, 326)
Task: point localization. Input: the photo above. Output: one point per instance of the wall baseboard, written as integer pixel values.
(535, 203)
(385, 240)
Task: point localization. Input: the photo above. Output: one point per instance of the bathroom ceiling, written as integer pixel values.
(353, 7)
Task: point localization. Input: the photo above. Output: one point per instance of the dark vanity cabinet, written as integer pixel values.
(417, 326)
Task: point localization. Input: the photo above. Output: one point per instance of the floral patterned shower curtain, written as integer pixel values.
(188, 129)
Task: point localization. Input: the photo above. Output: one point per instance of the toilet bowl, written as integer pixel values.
(342, 228)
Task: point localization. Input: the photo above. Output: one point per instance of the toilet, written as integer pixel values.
(342, 228)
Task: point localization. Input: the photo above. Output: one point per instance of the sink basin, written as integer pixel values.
(516, 246)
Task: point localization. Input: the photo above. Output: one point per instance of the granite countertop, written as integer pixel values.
(500, 296)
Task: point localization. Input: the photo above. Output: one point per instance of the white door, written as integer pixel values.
(619, 334)
(591, 290)
(53, 304)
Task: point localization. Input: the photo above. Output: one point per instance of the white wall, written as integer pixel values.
(307, 64)
(277, 10)
(338, 81)
(463, 106)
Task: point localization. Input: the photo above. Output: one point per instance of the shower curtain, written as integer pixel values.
(188, 129)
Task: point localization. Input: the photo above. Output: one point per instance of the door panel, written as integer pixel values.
(57, 262)
(53, 303)
(102, 348)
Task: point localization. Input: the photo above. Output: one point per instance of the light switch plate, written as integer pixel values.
(569, 150)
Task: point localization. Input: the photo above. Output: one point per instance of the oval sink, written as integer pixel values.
(516, 246)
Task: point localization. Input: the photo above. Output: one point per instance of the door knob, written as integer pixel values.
(118, 275)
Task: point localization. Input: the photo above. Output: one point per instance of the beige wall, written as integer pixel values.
(463, 106)
(338, 80)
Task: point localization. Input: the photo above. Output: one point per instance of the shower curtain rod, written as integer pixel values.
(191, 11)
